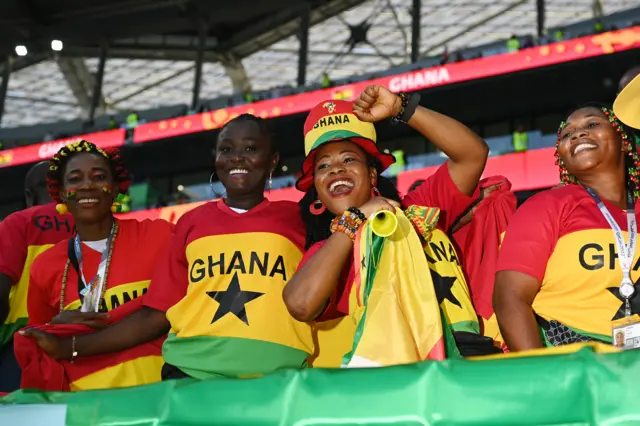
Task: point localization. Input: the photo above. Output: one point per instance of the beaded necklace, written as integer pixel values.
(106, 272)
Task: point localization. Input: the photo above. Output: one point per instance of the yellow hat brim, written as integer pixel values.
(627, 105)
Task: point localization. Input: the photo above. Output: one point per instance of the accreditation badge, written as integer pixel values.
(92, 295)
(626, 332)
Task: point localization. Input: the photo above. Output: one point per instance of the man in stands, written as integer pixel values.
(627, 77)
(23, 236)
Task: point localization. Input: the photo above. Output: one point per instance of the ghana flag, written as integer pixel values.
(393, 301)
(450, 283)
(136, 366)
(25, 235)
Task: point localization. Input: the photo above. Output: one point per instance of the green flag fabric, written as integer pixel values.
(581, 388)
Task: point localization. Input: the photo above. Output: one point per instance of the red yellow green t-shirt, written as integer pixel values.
(221, 285)
(136, 252)
(23, 236)
(446, 271)
(561, 238)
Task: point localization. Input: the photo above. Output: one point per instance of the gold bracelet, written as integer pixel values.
(74, 353)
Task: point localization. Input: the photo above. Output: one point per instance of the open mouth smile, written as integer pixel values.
(583, 146)
(238, 172)
(88, 202)
(340, 187)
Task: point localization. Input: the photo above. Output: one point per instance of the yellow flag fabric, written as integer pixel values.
(332, 340)
(393, 301)
(555, 350)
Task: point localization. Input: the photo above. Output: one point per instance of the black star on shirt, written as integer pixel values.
(232, 300)
(443, 286)
(363, 263)
(634, 301)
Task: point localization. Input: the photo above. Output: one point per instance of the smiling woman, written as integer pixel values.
(566, 268)
(344, 188)
(217, 290)
(80, 280)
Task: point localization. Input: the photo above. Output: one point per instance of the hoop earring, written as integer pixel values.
(214, 194)
(317, 208)
(374, 192)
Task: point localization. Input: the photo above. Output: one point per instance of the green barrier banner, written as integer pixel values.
(581, 388)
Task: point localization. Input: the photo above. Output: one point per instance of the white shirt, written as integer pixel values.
(98, 246)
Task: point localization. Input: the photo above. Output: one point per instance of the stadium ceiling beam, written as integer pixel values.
(280, 26)
(24, 62)
(332, 53)
(41, 101)
(81, 82)
(235, 70)
(115, 102)
(134, 52)
(232, 65)
(465, 30)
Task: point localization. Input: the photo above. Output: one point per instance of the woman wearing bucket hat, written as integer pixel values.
(341, 178)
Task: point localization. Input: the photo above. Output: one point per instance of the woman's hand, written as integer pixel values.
(51, 345)
(377, 204)
(91, 319)
(377, 103)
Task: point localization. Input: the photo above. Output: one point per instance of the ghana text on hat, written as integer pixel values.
(332, 121)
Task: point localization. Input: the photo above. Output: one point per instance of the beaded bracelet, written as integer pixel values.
(409, 103)
(357, 212)
(348, 223)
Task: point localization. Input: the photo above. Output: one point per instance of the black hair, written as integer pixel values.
(262, 126)
(627, 138)
(57, 164)
(318, 227)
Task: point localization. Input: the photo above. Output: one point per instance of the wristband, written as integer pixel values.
(408, 108)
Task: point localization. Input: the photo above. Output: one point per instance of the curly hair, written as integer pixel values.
(319, 226)
(627, 137)
(59, 161)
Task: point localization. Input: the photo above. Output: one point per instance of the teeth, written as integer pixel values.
(238, 171)
(88, 200)
(583, 146)
(335, 184)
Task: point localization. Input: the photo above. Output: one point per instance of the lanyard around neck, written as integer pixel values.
(626, 252)
(75, 257)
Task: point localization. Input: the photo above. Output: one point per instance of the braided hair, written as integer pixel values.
(319, 226)
(632, 159)
(57, 164)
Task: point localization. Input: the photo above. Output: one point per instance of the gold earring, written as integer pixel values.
(62, 208)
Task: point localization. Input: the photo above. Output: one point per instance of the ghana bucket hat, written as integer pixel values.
(333, 121)
(627, 105)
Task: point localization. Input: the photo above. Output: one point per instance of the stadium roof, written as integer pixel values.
(152, 45)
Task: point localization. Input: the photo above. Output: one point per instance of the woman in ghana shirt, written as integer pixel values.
(218, 290)
(559, 278)
(342, 171)
(80, 280)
